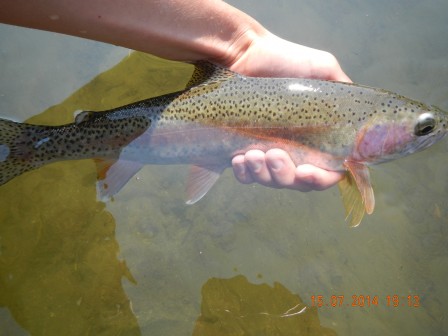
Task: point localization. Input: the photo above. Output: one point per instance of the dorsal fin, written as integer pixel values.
(208, 73)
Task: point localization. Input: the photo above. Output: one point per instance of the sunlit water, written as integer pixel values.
(137, 265)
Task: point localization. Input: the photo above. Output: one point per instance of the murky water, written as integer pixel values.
(144, 263)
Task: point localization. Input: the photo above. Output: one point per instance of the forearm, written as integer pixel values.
(192, 30)
(174, 29)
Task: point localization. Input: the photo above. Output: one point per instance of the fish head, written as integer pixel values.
(398, 132)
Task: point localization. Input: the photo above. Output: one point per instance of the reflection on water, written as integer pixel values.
(237, 307)
(137, 265)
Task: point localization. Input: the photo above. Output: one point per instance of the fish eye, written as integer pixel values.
(425, 124)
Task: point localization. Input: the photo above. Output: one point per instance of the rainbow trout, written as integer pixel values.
(334, 126)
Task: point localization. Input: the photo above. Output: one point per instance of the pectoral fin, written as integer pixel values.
(357, 193)
(200, 181)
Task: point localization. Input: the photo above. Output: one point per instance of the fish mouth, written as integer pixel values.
(425, 142)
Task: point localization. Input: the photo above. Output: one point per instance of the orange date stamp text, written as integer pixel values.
(361, 300)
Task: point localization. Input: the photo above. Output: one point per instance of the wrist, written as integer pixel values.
(237, 33)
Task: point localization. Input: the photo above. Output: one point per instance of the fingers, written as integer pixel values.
(309, 177)
(342, 77)
(241, 171)
(251, 167)
(281, 168)
(325, 66)
(272, 56)
(276, 169)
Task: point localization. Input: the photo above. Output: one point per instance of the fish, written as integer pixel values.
(336, 126)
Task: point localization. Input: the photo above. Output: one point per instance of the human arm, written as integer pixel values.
(193, 30)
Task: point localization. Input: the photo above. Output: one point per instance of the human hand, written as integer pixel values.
(270, 56)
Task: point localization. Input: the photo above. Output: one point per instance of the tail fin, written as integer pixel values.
(15, 149)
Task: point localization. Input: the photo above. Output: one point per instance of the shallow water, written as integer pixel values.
(137, 265)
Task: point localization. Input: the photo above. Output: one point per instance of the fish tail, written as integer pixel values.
(16, 149)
